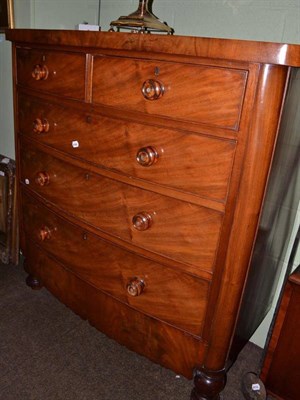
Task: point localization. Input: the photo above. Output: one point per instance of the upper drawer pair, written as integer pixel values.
(186, 92)
(188, 162)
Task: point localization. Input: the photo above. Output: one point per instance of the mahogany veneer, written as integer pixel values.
(142, 165)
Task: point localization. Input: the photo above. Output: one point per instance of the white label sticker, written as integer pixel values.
(27, 181)
(75, 144)
(256, 387)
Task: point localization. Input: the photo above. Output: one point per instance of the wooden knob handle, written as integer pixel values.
(45, 233)
(40, 72)
(147, 156)
(135, 287)
(42, 178)
(40, 125)
(142, 221)
(152, 89)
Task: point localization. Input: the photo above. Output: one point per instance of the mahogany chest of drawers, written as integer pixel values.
(142, 166)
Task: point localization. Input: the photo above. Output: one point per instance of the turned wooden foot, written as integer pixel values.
(208, 384)
(33, 282)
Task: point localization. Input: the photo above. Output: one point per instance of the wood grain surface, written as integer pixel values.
(211, 96)
(188, 162)
(176, 298)
(160, 342)
(66, 72)
(180, 230)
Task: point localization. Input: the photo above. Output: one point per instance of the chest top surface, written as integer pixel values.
(228, 49)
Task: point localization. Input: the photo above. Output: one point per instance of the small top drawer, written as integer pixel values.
(52, 71)
(192, 93)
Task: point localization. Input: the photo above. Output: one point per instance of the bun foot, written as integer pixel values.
(208, 384)
(33, 282)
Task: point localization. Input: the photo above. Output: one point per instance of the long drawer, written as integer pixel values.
(186, 92)
(160, 342)
(156, 290)
(185, 161)
(52, 71)
(176, 229)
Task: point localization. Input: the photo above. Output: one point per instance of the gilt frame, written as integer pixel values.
(6, 15)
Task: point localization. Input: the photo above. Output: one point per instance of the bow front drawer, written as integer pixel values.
(157, 290)
(188, 162)
(177, 229)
